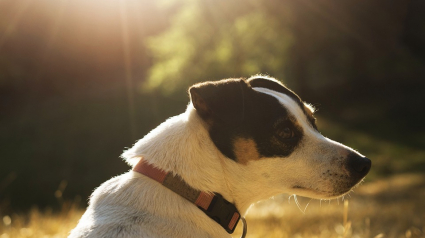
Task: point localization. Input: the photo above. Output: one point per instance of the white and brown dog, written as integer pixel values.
(239, 142)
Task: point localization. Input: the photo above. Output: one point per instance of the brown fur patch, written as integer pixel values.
(245, 150)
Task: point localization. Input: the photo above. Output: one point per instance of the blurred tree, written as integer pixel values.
(323, 49)
(69, 70)
(66, 73)
(218, 39)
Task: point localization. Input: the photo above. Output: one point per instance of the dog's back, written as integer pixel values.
(131, 205)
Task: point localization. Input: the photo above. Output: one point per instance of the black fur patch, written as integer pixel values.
(232, 110)
(278, 87)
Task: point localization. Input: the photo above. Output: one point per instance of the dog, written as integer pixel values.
(196, 175)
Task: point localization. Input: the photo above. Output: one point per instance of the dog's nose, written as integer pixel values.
(358, 165)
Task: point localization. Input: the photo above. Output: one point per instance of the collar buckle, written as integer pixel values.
(223, 212)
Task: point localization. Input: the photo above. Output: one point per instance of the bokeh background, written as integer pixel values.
(81, 80)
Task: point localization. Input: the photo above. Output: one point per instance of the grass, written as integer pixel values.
(40, 224)
(390, 203)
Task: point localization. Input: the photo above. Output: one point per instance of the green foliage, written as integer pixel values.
(203, 44)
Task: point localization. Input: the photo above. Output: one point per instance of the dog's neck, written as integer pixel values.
(182, 145)
(213, 205)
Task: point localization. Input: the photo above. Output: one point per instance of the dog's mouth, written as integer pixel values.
(334, 183)
(312, 192)
(338, 190)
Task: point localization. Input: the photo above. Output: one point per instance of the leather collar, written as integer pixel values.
(212, 204)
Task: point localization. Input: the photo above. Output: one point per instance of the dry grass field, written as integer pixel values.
(392, 208)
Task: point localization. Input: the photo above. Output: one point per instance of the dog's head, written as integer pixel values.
(260, 122)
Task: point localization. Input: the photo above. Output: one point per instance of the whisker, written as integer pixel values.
(307, 205)
(298, 204)
(289, 198)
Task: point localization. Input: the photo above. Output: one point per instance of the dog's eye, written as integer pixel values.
(286, 133)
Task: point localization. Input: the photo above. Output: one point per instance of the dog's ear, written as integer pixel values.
(221, 101)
